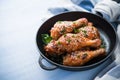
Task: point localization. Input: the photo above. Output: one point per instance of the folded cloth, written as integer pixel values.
(113, 74)
(86, 4)
(108, 9)
(104, 73)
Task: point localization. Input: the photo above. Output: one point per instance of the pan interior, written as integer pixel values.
(105, 40)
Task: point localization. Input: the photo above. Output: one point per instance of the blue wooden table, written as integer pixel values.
(19, 22)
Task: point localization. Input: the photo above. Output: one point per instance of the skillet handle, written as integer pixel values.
(45, 67)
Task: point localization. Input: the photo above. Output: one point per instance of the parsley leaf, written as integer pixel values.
(76, 30)
(46, 38)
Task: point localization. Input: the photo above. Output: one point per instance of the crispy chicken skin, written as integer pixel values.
(62, 27)
(89, 32)
(90, 24)
(70, 42)
(79, 58)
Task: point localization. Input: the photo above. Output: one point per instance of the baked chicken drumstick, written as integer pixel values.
(62, 27)
(70, 42)
(79, 58)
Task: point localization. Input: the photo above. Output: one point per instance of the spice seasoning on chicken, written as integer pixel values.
(62, 31)
(84, 55)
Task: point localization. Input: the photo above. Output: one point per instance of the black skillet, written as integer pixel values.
(106, 30)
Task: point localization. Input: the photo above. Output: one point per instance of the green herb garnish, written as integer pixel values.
(85, 33)
(76, 30)
(65, 35)
(103, 45)
(62, 31)
(68, 40)
(59, 21)
(46, 38)
(84, 55)
(83, 25)
(58, 43)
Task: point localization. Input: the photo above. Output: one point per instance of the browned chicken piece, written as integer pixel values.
(79, 58)
(90, 24)
(70, 42)
(62, 27)
(89, 32)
